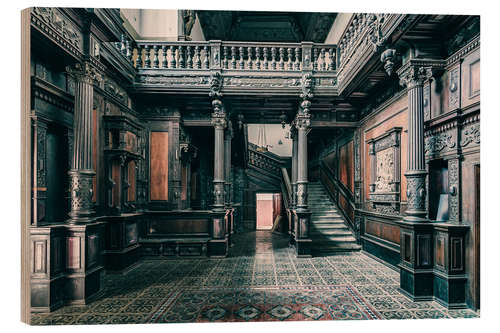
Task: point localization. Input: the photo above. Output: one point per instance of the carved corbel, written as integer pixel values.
(216, 85)
(387, 58)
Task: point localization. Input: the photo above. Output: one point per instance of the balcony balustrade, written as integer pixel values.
(229, 55)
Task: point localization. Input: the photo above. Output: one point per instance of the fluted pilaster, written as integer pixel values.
(413, 77)
(81, 173)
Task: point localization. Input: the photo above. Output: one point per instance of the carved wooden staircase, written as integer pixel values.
(329, 231)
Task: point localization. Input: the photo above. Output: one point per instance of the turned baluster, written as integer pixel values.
(233, 57)
(331, 59)
(172, 63)
(242, 54)
(225, 60)
(297, 58)
(128, 52)
(315, 59)
(323, 63)
(164, 62)
(257, 57)
(155, 56)
(182, 63)
(138, 61)
(147, 60)
(206, 61)
(282, 59)
(122, 45)
(189, 51)
(289, 62)
(250, 61)
(273, 58)
(197, 56)
(265, 64)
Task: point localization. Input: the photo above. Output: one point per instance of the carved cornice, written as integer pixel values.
(57, 27)
(473, 45)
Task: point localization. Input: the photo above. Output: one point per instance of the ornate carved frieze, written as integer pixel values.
(171, 80)
(439, 142)
(115, 90)
(59, 28)
(470, 135)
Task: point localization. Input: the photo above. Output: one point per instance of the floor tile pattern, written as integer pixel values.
(261, 280)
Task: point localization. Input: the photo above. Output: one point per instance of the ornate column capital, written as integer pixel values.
(303, 119)
(415, 72)
(84, 72)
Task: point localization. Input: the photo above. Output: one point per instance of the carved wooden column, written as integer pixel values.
(81, 172)
(416, 275)
(218, 243)
(413, 77)
(228, 200)
(302, 237)
(293, 134)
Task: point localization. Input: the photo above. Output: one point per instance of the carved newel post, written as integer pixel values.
(302, 237)
(81, 172)
(413, 77)
(218, 243)
(293, 134)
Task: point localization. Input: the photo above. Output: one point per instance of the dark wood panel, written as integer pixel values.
(131, 181)
(116, 175)
(159, 166)
(178, 226)
(346, 166)
(384, 231)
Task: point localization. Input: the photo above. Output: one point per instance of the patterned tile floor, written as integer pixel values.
(261, 280)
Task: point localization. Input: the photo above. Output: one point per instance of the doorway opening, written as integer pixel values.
(268, 210)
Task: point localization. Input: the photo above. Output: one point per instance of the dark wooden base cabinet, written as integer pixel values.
(66, 265)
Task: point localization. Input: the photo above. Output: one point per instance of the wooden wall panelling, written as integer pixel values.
(395, 115)
(159, 166)
(132, 181)
(471, 79)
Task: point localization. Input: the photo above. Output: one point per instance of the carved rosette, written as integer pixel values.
(415, 192)
(82, 206)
